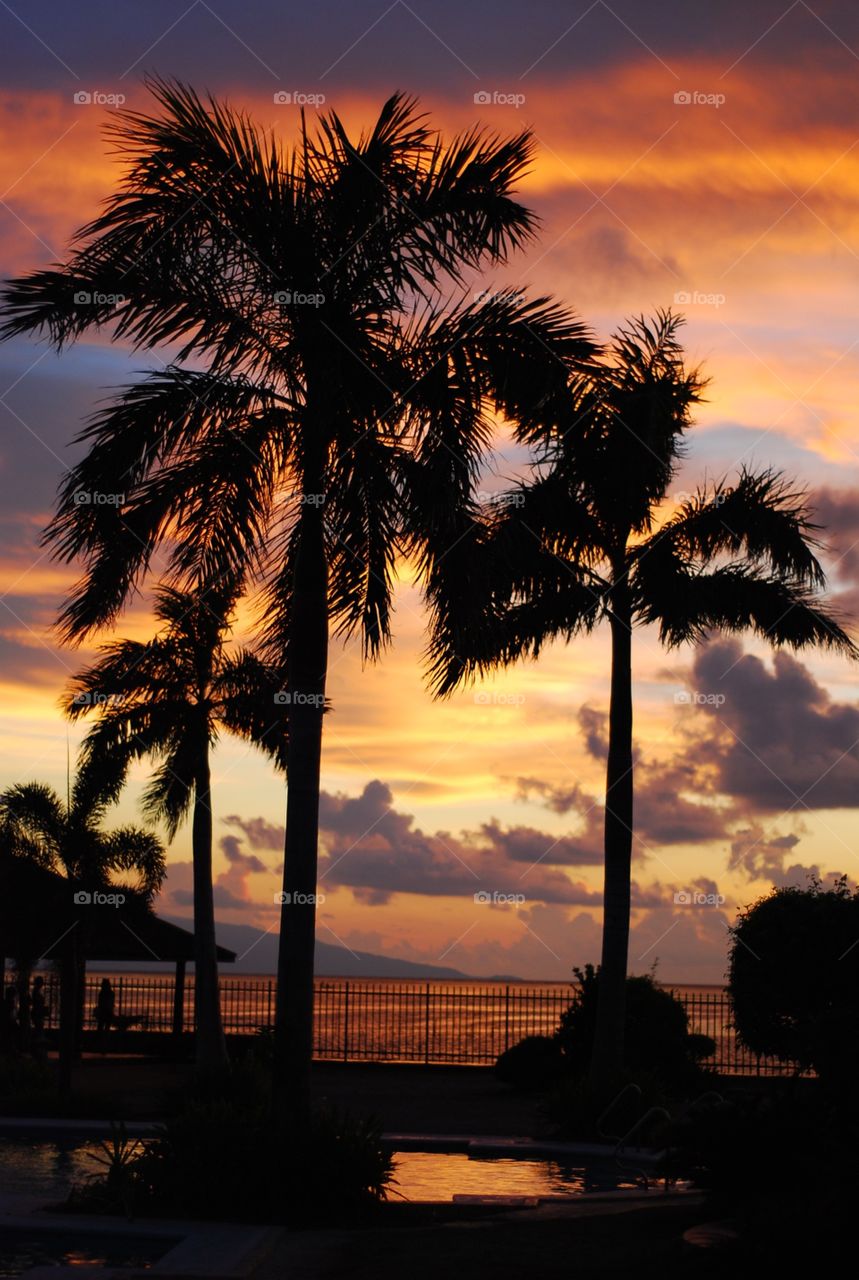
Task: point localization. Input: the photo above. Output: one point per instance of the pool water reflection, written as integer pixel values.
(434, 1175)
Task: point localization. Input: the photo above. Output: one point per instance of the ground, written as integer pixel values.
(407, 1099)
(648, 1245)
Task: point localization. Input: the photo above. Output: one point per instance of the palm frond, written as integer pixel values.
(763, 517)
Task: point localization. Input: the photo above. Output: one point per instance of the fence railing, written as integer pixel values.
(357, 1020)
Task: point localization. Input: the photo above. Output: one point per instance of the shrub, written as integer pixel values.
(223, 1158)
(534, 1063)
(657, 1040)
(794, 978)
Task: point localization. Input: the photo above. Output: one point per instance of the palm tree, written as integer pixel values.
(68, 838)
(580, 542)
(314, 360)
(168, 698)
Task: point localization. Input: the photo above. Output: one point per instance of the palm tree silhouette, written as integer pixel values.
(580, 542)
(68, 838)
(308, 285)
(168, 698)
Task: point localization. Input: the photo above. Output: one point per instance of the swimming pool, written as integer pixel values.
(48, 1168)
(438, 1175)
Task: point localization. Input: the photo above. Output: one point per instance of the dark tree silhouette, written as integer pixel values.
(581, 542)
(168, 698)
(315, 359)
(68, 837)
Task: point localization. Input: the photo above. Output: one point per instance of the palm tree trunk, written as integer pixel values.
(70, 1013)
(607, 1056)
(211, 1050)
(307, 663)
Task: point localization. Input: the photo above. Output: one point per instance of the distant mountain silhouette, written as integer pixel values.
(257, 953)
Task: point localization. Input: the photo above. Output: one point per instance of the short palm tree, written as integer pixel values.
(580, 542)
(68, 838)
(168, 698)
(314, 358)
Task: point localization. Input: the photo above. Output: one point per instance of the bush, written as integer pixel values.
(783, 1166)
(222, 1157)
(534, 1063)
(657, 1041)
(794, 979)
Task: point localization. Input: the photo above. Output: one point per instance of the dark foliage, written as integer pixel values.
(794, 978)
(657, 1039)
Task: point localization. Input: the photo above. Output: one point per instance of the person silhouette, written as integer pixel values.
(38, 1007)
(104, 1009)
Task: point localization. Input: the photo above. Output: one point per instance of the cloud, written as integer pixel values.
(778, 741)
(260, 833)
(378, 851)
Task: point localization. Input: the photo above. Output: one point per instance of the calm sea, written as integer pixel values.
(406, 1019)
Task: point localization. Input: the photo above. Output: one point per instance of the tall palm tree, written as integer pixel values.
(314, 357)
(580, 542)
(68, 837)
(168, 698)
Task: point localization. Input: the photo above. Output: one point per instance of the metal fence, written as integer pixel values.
(358, 1020)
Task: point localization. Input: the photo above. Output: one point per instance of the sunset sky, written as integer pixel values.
(696, 155)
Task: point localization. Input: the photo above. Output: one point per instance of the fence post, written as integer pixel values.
(179, 1001)
(506, 1018)
(427, 1025)
(345, 1021)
